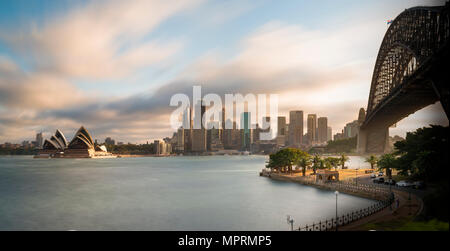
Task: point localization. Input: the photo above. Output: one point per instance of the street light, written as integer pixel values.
(409, 196)
(337, 193)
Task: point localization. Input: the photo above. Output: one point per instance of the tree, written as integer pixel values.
(342, 160)
(341, 145)
(372, 160)
(322, 164)
(304, 161)
(284, 159)
(387, 162)
(332, 162)
(316, 163)
(424, 154)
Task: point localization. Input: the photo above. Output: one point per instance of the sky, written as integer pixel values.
(113, 66)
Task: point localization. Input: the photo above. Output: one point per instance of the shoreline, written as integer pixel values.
(386, 214)
(324, 186)
(195, 155)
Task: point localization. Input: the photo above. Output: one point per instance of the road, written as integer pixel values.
(407, 207)
(367, 180)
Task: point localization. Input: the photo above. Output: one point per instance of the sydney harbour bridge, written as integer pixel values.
(411, 72)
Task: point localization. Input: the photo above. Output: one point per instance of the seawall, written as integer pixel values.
(365, 191)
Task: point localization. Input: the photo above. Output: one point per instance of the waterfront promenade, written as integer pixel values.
(392, 204)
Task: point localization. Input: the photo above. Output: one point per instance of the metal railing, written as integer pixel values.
(330, 224)
(384, 196)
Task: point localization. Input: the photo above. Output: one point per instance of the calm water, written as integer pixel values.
(178, 193)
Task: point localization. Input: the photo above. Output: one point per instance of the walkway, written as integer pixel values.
(407, 209)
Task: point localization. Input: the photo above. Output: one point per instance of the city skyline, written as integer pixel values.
(114, 72)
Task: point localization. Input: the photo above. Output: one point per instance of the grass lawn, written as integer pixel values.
(407, 224)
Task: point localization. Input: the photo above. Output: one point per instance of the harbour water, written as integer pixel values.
(173, 193)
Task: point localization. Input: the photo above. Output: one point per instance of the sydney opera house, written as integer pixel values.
(81, 146)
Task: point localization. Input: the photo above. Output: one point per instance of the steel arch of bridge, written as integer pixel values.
(411, 41)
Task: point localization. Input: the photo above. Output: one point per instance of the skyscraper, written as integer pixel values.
(188, 124)
(199, 136)
(322, 123)
(329, 134)
(39, 140)
(295, 128)
(180, 140)
(246, 131)
(199, 140)
(351, 129)
(281, 134)
(311, 128)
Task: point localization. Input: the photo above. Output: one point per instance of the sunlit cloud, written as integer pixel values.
(322, 70)
(105, 39)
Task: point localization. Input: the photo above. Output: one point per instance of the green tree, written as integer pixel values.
(342, 159)
(332, 162)
(322, 164)
(341, 145)
(303, 161)
(372, 160)
(284, 159)
(387, 162)
(316, 163)
(424, 154)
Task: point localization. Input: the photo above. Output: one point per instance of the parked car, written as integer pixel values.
(378, 180)
(380, 174)
(373, 176)
(389, 182)
(418, 184)
(404, 183)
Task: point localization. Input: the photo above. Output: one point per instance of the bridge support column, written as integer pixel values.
(373, 140)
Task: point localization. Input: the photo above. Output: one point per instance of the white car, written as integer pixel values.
(403, 183)
(373, 176)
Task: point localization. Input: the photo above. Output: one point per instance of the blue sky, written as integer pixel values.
(112, 65)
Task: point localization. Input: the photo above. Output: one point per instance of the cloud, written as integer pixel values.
(276, 58)
(326, 71)
(38, 91)
(102, 40)
(7, 66)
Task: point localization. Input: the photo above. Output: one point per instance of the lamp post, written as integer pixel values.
(337, 193)
(290, 221)
(409, 195)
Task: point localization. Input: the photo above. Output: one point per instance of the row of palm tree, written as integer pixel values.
(285, 159)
